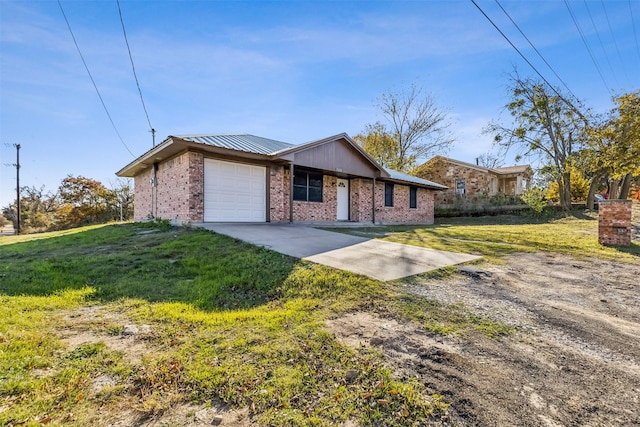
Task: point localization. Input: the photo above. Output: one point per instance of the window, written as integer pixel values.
(460, 187)
(413, 197)
(307, 186)
(388, 194)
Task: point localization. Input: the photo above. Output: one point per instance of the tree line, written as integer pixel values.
(581, 152)
(78, 201)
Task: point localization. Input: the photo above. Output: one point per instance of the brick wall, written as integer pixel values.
(196, 187)
(360, 207)
(173, 188)
(400, 213)
(279, 194)
(614, 222)
(319, 211)
(178, 194)
(477, 182)
(142, 205)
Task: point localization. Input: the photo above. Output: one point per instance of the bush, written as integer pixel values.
(535, 199)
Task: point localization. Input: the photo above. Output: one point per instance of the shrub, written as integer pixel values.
(535, 199)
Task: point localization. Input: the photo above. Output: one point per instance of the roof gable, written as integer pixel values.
(513, 169)
(459, 163)
(337, 153)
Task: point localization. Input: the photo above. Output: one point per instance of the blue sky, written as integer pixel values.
(295, 71)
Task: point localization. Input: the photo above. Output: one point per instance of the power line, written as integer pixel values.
(133, 67)
(93, 81)
(535, 49)
(635, 33)
(587, 46)
(615, 42)
(606, 56)
(518, 50)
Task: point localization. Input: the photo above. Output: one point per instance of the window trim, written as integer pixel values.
(413, 197)
(461, 187)
(307, 174)
(388, 194)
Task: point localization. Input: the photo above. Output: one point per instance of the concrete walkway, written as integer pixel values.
(372, 257)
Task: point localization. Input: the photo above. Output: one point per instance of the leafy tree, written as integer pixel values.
(579, 187)
(614, 148)
(37, 209)
(79, 201)
(413, 128)
(3, 221)
(381, 146)
(83, 202)
(547, 125)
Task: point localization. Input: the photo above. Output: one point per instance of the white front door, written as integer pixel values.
(343, 200)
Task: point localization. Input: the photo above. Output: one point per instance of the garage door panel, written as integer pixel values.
(234, 192)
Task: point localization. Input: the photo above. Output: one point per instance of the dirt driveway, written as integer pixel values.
(574, 360)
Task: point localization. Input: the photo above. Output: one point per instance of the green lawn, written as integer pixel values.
(496, 236)
(230, 322)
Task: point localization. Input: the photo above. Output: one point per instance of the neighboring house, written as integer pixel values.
(473, 182)
(246, 178)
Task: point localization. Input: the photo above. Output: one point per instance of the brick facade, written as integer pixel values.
(401, 213)
(278, 194)
(471, 183)
(144, 195)
(360, 204)
(614, 222)
(178, 193)
(477, 183)
(319, 211)
(179, 196)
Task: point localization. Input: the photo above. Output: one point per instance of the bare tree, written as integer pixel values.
(490, 160)
(414, 124)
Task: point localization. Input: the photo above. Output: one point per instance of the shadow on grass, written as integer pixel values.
(633, 249)
(206, 270)
(524, 219)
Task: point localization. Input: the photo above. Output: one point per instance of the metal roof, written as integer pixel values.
(244, 142)
(400, 176)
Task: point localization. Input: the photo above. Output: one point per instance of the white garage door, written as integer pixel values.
(234, 192)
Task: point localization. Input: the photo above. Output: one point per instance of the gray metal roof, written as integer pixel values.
(247, 143)
(400, 176)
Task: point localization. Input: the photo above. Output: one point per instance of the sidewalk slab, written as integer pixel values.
(375, 258)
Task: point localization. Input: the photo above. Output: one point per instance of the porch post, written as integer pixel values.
(373, 201)
(291, 193)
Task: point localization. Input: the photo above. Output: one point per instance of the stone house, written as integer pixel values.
(246, 178)
(474, 183)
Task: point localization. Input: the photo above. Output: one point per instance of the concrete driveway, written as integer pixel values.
(372, 257)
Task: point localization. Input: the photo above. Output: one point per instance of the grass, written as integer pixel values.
(497, 236)
(230, 323)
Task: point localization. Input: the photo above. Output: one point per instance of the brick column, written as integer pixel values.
(614, 222)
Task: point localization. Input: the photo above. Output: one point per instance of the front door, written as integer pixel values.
(343, 200)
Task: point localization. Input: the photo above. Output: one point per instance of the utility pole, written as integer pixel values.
(17, 188)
